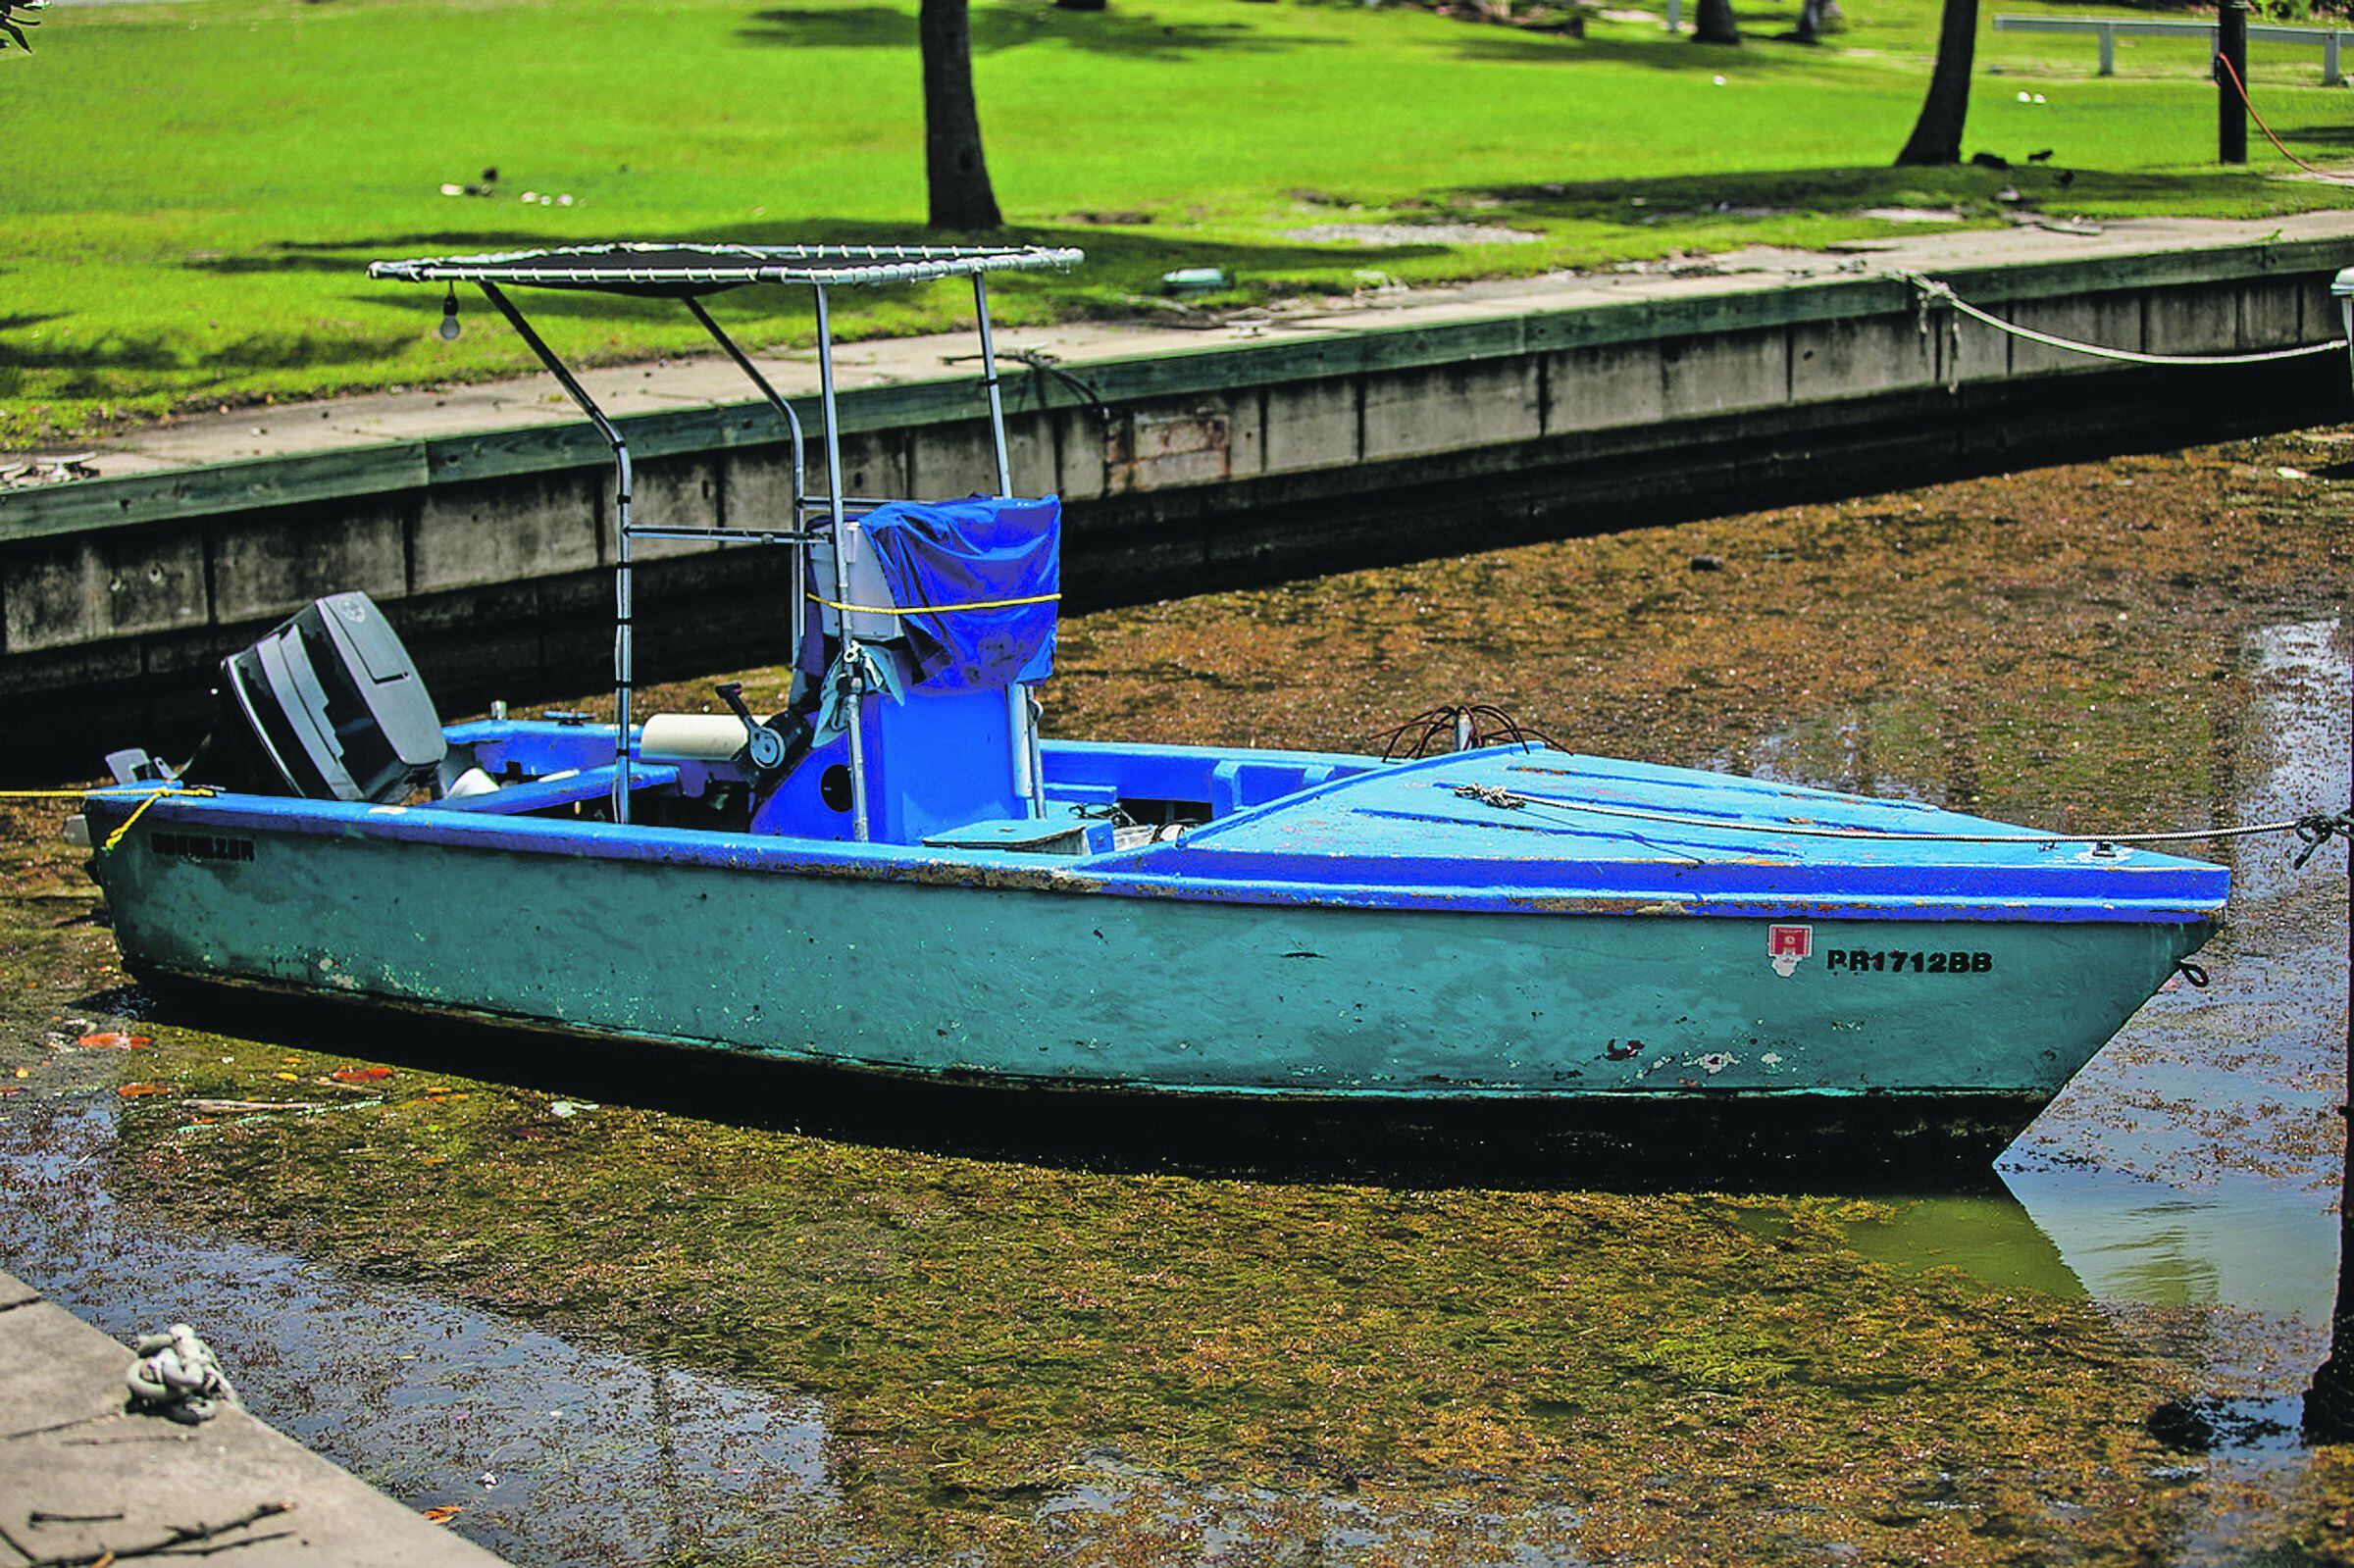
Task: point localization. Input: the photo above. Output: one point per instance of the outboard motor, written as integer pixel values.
(327, 706)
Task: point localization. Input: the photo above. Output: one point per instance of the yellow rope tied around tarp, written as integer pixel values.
(932, 609)
(101, 793)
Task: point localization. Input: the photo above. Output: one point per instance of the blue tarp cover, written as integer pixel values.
(976, 551)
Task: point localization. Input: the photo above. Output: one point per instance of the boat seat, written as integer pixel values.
(565, 789)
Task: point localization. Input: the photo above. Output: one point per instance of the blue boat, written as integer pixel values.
(894, 877)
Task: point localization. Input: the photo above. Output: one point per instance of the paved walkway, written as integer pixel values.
(290, 428)
(81, 1481)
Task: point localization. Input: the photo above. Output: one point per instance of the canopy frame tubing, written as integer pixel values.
(626, 528)
(817, 266)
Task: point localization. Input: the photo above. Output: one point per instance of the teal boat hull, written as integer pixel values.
(1073, 989)
(1648, 959)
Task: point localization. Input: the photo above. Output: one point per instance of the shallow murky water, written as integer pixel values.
(530, 1436)
(2193, 1162)
(642, 1330)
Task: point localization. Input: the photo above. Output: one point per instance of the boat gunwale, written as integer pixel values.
(1001, 871)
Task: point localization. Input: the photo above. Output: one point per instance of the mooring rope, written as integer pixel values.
(177, 1376)
(1934, 292)
(155, 793)
(2224, 66)
(1043, 365)
(2315, 829)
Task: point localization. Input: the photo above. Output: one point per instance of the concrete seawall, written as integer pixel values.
(1181, 471)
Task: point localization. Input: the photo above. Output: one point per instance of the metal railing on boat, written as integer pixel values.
(687, 273)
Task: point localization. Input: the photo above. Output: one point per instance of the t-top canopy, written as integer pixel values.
(672, 271)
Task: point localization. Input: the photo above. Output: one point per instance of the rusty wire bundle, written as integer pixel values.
(1464, 728)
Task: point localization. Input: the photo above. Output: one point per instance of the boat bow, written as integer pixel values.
(1509, 826)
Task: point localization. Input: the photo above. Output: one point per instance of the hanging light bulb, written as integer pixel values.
(449, 317)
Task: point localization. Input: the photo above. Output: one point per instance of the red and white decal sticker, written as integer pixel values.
(1787, 944)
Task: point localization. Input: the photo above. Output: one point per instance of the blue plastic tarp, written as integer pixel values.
(952, 555)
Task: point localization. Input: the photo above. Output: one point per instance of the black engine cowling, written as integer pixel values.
(327, 706)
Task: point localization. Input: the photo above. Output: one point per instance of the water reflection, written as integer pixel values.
(2192, 1162)
(2211, 1118)
(2239, 1242)
(1991, 1237)
(532, 1437)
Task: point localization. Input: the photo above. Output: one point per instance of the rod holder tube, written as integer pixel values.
(841, 567)
(1017, 714)
(988, 379)
(1027, 779)
(1029, 741)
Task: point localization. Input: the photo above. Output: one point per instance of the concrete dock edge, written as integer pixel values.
(80, 1477)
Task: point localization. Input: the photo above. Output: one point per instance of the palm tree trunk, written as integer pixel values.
(1937, 134)
(2330, 1402)
(955, 174)
(1715, 23)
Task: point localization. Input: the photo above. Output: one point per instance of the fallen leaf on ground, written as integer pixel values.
(134, 1091)
(360, 1074)
(114, 1040)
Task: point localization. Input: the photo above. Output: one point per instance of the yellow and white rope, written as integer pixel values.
(104, 791)
(931, 609)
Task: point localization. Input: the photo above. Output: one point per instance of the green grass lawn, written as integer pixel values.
(193, 187)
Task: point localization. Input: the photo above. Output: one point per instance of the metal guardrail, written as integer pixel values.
(2330, 41)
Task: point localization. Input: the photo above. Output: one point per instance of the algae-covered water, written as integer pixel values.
(614, 1306)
